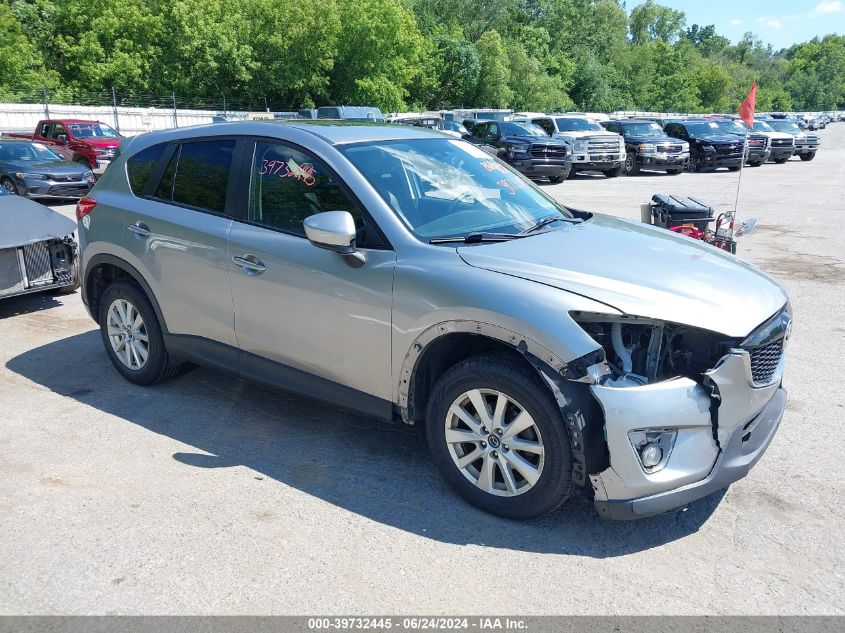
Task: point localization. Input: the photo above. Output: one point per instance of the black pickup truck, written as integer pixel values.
(757, 150)
(647, 146)
(710, 148)
(526, 147)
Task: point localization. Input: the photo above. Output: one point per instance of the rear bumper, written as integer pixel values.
(741, 452)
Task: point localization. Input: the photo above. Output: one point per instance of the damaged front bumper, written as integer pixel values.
(722, 430)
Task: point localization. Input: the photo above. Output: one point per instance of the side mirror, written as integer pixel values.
(62, 138)
(334, 231)
(466, 137)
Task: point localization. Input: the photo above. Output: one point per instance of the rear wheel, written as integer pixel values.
(632, 167)
(132, 335)
(9, 185)
(497, 437)
(806, 157)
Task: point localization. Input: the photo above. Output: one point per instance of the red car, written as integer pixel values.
(90, 143)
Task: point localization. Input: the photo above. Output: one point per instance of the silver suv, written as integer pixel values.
(408, 275)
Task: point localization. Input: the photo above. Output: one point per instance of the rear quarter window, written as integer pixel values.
(140, 167)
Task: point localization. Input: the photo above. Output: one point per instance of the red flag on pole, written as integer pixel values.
(746, 108)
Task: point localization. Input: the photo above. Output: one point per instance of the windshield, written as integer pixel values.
(454, 126)
(27, 152)
(450, 188)
(782, 125)
(762, 126)
(732, 126)
(521, 129)
(89, 130)
(642, 129)
(702, 129)
(576, 125)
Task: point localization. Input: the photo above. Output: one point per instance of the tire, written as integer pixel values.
(158, 365)
(807, 157)
(501, 376)
(781, 160)
(9, 185)
(556, 180)
(616, 171)
(733, 168)
(632, 167)
(674, 172)
(755, 163)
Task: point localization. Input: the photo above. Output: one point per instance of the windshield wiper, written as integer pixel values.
(475, 238)
(549, 220)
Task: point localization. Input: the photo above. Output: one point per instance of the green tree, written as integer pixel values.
(494, 75)
(652, 21)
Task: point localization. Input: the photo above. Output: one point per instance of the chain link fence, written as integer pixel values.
(128, 113)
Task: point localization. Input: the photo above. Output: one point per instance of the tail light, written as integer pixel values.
(84, 207)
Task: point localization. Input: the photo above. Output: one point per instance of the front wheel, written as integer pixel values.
(755, 163)
(556, 180)
(673, 172)
(808, 157)
(9, 185)
(616, 171)
(132, 335)
(734, 168)
(632, 167)
(498, 438)
(781, 160)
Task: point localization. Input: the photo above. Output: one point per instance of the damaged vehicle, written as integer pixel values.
(37, 249)
(412, 277)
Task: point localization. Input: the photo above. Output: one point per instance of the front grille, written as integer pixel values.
(602, 146)
(728, 149)
(64, 190)
(67, 178)
(757, 142)
(781, 142)
(670, 148)
(548, 151)
(764, 361)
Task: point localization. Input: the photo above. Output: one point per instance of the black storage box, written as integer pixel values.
(671, 211)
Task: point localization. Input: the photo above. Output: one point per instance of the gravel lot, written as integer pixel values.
(208, 495)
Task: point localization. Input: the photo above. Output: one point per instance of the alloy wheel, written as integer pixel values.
(9, 186)
(127, 334)
(494, 442)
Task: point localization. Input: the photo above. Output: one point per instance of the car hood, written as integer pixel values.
(640, 270)
(717, 138)
(24, 221)
(637, 138)
(534, 140)
(101, 143)
(48, 168)
(586, 134)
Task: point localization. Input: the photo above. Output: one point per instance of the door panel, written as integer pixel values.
(182, 251)
(312, 311)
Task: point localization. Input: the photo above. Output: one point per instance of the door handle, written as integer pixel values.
(140, 229)
(250, 263)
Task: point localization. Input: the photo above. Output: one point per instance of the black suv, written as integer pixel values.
(647, 146)
(709, 146)
(757, 149)
(526, 147)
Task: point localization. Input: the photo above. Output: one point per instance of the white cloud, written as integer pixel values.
(827, 6)
(773, 22)
(735, 22)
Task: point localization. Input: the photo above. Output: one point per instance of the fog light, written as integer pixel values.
(651, 455)
(652, 447)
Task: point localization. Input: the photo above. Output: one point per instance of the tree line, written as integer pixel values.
(538, 55)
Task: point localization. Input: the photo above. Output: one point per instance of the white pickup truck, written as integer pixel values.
(593, 147)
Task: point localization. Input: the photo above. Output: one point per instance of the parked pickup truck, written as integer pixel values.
(89, 143)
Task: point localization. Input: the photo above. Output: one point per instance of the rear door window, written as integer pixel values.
(202, 174)
(139, 167)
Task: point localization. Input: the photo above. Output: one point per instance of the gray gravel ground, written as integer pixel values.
(207, 495)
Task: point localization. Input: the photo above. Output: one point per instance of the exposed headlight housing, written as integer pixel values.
(22, 175)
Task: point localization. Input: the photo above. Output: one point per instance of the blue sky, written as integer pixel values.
(780, 23)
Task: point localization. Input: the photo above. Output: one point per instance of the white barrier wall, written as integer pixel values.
(23, 117)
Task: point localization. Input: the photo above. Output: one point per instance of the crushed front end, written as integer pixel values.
(686, 411)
